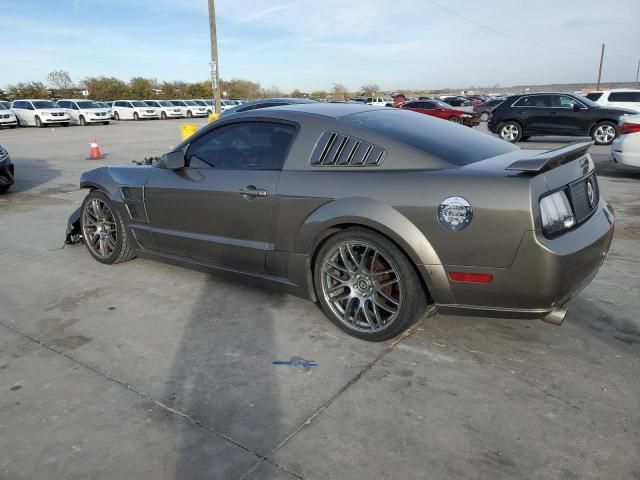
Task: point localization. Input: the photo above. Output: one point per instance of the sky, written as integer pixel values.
(310, 45)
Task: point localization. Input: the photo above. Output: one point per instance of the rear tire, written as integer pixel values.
(105, 123)
(510, 132)
(103, 230)
(604, 133)
(189, 114)
(387, 294)
(484, 116)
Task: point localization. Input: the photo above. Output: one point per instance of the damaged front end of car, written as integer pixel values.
(74, 230)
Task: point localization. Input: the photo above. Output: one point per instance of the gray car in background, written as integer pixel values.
(375, 213)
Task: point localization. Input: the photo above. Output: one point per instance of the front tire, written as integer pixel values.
(604, 133)
(39, 123)
(367, 286)
(116, 116)
(103, 230)
(510, 132)
(83, 121)
(163, 116)
(189, 114)
(455, 119)
(136, 117)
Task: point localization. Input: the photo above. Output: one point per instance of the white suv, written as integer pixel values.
(379, 102)
(618, 98)
(83, 112)
(132, 110)
(190, 108)
(166, 108)
(39, 113)
(7, 117)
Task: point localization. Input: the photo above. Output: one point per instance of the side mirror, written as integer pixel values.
(577, 108)
(172, 160)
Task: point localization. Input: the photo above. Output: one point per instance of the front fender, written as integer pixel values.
(109, 179)
(367, 213)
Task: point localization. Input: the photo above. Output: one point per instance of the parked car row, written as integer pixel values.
(65, 112)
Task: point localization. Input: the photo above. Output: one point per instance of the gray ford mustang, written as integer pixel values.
(376, 213)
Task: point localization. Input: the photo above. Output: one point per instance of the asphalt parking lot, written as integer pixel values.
(146, 370)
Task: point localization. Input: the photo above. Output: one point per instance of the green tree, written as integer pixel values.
(273, 92)
(319, 94)
(239, 88)
(27, 90)
(200, 90)
(106, 88)
(296, 94)
(141, 88)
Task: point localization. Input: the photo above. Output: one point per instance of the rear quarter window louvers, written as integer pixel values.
(338, 150)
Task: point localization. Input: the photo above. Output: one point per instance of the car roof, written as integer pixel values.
(622, 90)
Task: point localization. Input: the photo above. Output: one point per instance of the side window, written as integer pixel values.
(128, 104)
(594, 96)
(563, 101)
(429, 105)
(16, 105)
(118, 104)
(28, 106)
(624, 97)
(539, 101)
(242, 146)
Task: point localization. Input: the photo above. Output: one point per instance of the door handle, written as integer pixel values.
(251, 191)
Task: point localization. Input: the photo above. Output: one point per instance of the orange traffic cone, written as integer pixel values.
(94, 151)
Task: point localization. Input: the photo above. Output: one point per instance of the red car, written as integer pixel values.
(439, 109)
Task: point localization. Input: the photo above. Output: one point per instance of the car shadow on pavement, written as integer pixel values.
(222, 377)
(616, 170)
(31, 173)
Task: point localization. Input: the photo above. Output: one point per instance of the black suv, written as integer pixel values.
(522, 116)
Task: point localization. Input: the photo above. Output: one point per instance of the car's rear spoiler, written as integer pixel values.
(551, 159)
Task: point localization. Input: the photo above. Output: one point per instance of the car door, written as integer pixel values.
(569, 116)
(433, 109)
(219, 209)
(534, 112)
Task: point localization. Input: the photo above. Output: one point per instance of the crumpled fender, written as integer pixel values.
(367, 213)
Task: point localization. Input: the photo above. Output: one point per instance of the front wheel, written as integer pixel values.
(83, 121)
(39, 122)
(163, 116)
(189, 114)
(455, 119)
(103, 230)
(510, 131)
(604, 133)
(116, 116)
(367, 286)
(136, 117)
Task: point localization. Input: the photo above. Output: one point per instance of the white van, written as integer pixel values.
(133, 110)
(39, 113)
(7, 117)
(166, 108)
(190, 108)
(84, 112)
(617, 98)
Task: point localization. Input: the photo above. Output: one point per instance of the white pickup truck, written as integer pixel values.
(379, 101)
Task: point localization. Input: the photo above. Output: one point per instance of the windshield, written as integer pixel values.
(3, 106)
(40, 104)
(432, 136)
(86, 104)
(192, 103)
(139, 104)
(165, 103)
(178, 103)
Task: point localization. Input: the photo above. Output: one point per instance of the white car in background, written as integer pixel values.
(39, 113)
(379, 102)
(133, 110)
(166, 109)
(617, 98)
(190, 108)
(626, 146)
(84, 112)
(204, 103)
(7, 117)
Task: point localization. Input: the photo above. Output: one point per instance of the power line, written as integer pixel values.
(497, 32)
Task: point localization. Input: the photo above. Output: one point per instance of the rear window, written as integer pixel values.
(594, 96)
(435, 137)
(624, 97)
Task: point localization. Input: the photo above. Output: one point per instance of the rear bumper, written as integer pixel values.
(624, 152)
(543, 277)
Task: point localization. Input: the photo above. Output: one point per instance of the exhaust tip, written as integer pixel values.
(555, 316)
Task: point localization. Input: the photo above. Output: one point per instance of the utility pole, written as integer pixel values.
(637, 73)
(600, 69)
(215, 75)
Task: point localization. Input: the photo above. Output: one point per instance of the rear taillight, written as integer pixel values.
(627, 128)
